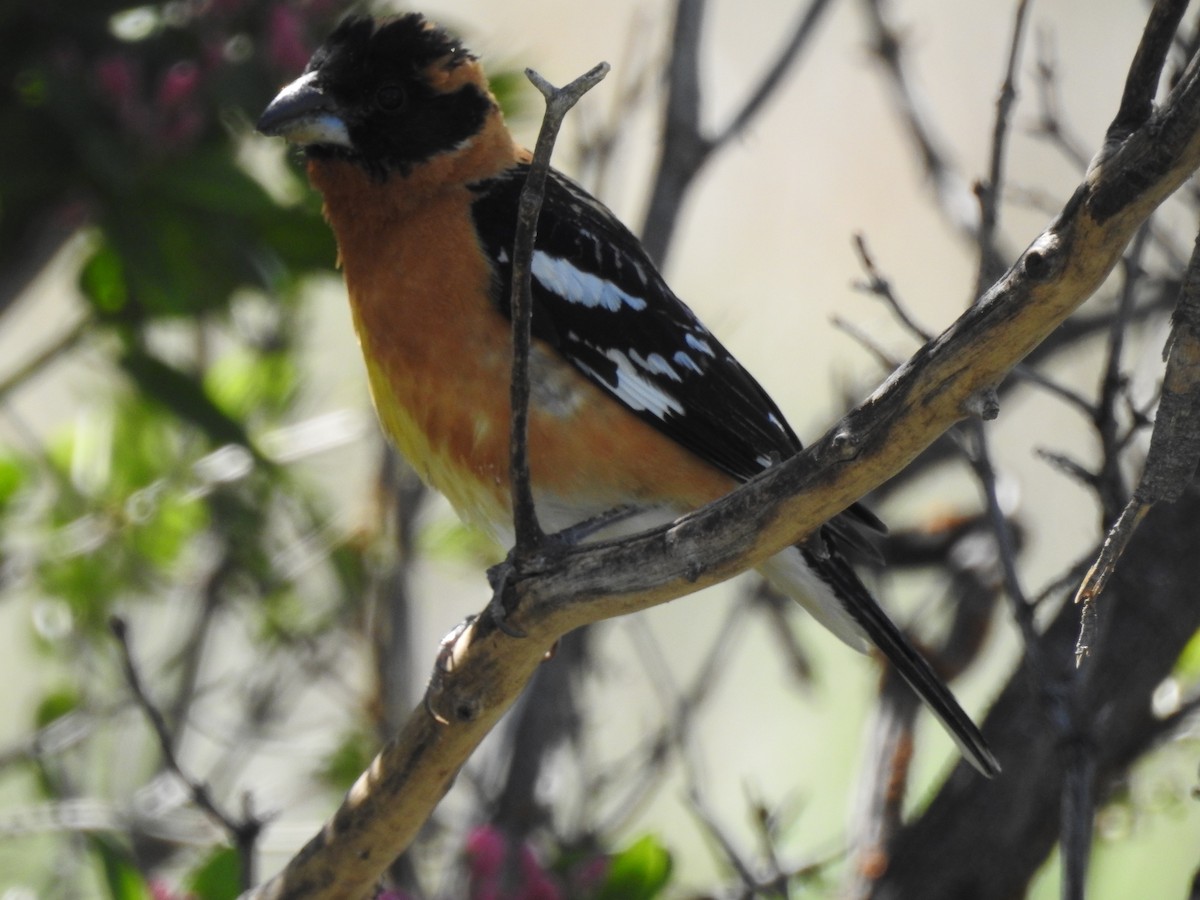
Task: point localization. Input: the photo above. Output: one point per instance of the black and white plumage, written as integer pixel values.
(421, 180)
(599, 301)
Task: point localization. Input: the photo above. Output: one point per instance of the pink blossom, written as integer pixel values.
(487, 851)
(286, 47)
(160, 890)
(118, 78)
(178, 84)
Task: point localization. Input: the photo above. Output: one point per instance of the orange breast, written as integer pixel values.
(438, 359)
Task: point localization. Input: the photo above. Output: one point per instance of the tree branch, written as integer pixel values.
(986, 839)
(244, 831)
(1174, 447)
(686, 148)
(484, 670)
(559, 101)
(1145, 72)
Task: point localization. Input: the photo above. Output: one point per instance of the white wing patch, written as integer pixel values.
(682, 359)
(634, 390)
(571, 283)
(655, 363)
(699, 344)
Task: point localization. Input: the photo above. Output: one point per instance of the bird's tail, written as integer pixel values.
(830, 590)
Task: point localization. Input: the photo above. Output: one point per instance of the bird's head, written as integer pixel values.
(386, 95)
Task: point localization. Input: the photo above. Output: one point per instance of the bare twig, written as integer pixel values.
(770, 81)
(1110, 482)
(1174, 448)
(951, 191)
(529, 535)
(244, 831)
(1145, 73)
(1028, 373)
(713, 828)
(886, 361)
(685, 146)
(681, 706)
(988, 191)
(887, 773)
(32, 366)
(881, 287)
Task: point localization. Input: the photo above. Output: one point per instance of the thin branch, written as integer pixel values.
(881, 287)
(988, 191)
(886, 361)
(32, 366)
(1078, 814)
(559, 101)
(1141, 84)
(244, 831)
(686, 148)
(681, 707)
(715, 830)
(1174, 448)
(981, 463)
(1097, 576)
(1028, 373)
(953, 195)
(1110, 482)
(1050, 122)
(774, 75)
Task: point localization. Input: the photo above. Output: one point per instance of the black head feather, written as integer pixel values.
(376, 78)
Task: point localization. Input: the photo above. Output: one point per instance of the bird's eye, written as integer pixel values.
(391, 97)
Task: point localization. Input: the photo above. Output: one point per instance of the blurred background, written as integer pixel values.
(186, 442)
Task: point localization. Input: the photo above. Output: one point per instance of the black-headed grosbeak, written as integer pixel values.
(634, 403)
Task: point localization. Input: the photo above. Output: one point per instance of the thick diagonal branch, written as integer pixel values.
(484, 673)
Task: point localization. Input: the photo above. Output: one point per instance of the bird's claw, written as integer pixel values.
(501, 578)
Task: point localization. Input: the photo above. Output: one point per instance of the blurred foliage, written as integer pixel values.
(639, 872)
(131, 127)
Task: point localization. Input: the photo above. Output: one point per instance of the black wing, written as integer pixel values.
(600, 302)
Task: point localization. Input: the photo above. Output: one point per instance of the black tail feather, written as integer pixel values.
(913, 667)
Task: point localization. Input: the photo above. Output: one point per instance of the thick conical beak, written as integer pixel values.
(304, 114)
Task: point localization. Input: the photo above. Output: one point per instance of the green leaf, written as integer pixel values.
(1188, 664)
(174, 521)
(217, 878)
(183, 395)
(121, 877)
(103, 281)
(341, 768)
(639, 872)
(12, 477)
(210, 180)
(55, 705)
(242, 383)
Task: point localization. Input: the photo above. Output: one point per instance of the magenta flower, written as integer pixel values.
(287, 49)
(178, 85)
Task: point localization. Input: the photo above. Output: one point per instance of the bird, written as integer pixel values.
(634, 403)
